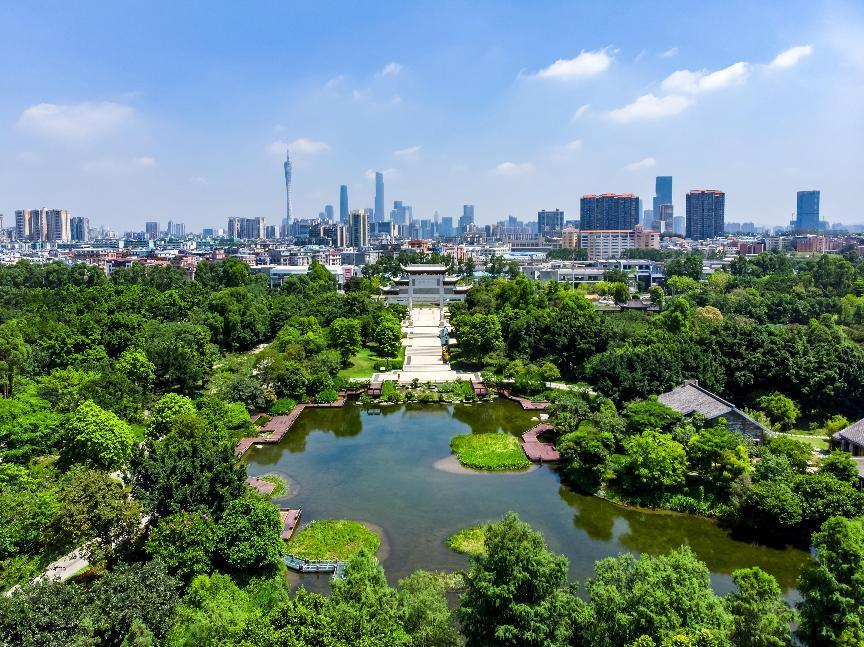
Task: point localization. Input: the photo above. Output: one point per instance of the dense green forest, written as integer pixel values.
(123, 398)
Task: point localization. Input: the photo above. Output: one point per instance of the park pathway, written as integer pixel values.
(423, 351)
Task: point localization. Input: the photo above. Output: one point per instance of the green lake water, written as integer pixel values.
(385, 469)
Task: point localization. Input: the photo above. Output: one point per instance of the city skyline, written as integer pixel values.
(112, 120)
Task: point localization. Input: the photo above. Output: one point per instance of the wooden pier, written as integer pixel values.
(525, 403)
(535, 449)
(278, 426)
(290, 518)
(262, 487)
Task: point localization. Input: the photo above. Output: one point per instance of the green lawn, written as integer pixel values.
(495, 452)
(815, 443)
(333, 539)
(469, 541)
(367, 362)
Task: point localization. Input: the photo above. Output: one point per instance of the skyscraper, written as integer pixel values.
(48, 225)
(80, 228)
(549, 222)
(152, 230)
(343, 204)
(705, 213)
(287, 167)
(807, 214)
(467, 217)
(358, 229)
(665, 218)
(662, 193)
(328, 212)
(609, 211)
(379, 216)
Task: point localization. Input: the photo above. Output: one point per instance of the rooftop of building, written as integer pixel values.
(854, 433)
(610, 195)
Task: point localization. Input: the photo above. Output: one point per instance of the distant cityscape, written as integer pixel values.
(608, 225)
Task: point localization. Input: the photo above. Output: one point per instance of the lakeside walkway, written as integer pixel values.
(278, 426)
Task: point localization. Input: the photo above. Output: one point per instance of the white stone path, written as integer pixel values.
(423, 351)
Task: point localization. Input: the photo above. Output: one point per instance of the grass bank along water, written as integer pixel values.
(380, 468)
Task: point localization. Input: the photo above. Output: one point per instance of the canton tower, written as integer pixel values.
(287, 166)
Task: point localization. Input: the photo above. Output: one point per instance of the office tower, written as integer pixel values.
(379, 198)
(358, 228)
(397, 213)
(343, 204)
(179, 230)
(807, 214)
(208, 232)
(662, 193)
(329, 212)
(609, 211)
(467, 218)
(705, 213)
(152, 230)
(664, 218)
(678, 225)
(446, 228)
(647, 218)
(287, 167)
(270, 232)
(80, 229)
(550, 222)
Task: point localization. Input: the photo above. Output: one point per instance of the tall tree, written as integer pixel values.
(516, 593)
(760, 615)
(97, 437)
(832, 586)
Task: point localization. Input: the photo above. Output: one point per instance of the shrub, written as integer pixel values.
(282, 406)
(326, 396)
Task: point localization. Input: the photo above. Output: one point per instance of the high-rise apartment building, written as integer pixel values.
(179, 230)
(379, 216)
(152, 230)
(609, 211)
(807, 213)
(329, 212)
(550, 222)
(343, 204)
(678, 225)
(247, 228)
(705, 213)
(79, 229)
(47, 225)
(358, 229)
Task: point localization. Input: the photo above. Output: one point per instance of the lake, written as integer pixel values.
(386, 469)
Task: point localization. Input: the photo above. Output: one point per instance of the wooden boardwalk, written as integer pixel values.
(262, 487)
(535, 449)
(290, 518)
(278, 426)
(525, 403)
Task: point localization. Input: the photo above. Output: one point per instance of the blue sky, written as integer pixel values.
(126, 112)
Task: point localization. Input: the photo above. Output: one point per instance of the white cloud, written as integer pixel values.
(512, 168)
(76, 121)
(409, 152)
(584, 65)
(641, 165)
(301, 146)
(391, 69)
(145, 162)
(649, 106)
(791, 56)
(690, 82)
(332, 83)
(581, 112)
(669, 53)
(570, 147)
